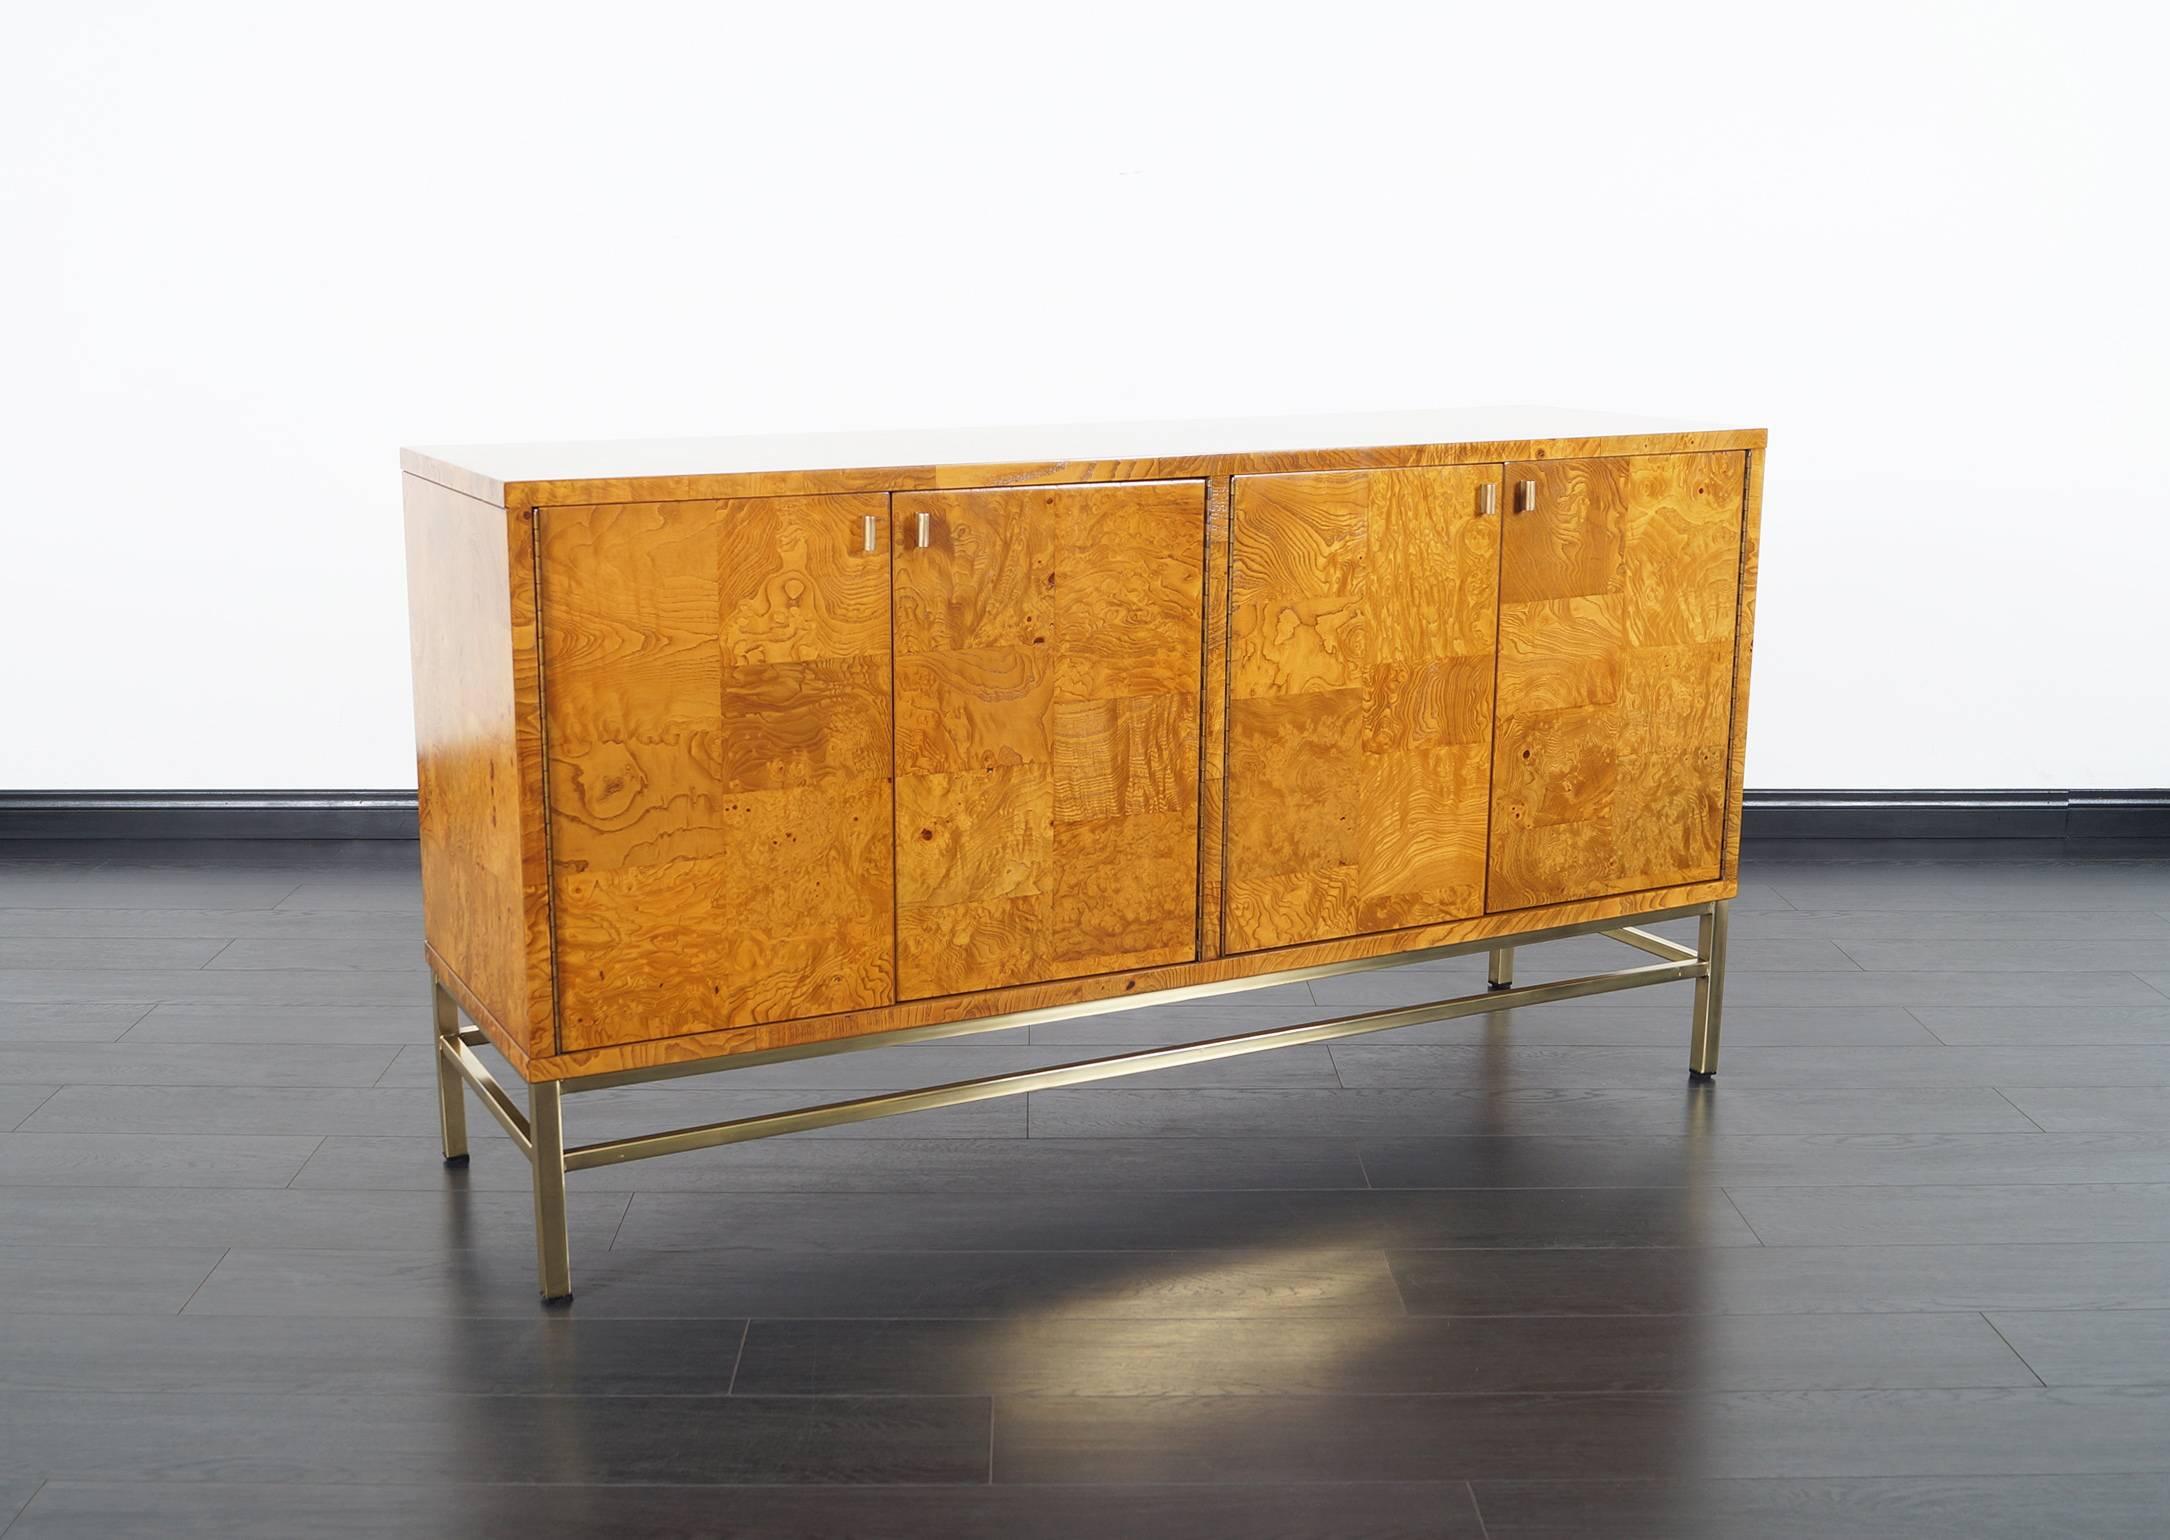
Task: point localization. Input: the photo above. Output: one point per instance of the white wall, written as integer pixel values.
(248, 251)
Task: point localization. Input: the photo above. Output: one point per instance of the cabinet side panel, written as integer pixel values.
(478, 748)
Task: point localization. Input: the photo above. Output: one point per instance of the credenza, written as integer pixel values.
(749, 749)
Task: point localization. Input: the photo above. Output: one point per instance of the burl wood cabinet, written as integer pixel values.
(745, 749)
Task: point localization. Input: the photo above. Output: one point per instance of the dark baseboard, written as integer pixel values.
(208, 815)
(390, 815)
(1960, 815)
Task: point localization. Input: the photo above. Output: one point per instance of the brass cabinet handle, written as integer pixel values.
(873, 537)
(1525, 497)
(926, 522)
(1488, 498)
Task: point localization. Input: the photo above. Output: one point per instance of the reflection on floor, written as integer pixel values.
(1904, 1270)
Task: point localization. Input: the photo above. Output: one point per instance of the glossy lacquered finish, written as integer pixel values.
(1360, 715)
(1047, 690)
(791, 766)
(717, 690)
(1618, 586)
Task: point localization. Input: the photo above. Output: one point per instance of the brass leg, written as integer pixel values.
(1501, 974)
(546, 1122)
(451, 1090)
(1709, 991)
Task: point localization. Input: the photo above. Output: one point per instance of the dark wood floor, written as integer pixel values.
(1904, 1271)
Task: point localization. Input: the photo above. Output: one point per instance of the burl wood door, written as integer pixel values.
(1047, 694)
(1360, 712)
(1618, 590)
(716, 699)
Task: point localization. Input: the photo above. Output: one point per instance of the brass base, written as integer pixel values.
(539, 1133)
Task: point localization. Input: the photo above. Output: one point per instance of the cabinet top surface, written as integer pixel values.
(505, 465)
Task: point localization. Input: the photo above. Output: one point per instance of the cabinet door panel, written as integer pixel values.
(1047, 676)
(716, 691)
(1617, 599)
(1360, 719)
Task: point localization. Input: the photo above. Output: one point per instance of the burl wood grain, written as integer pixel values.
(1213, 749)
(1047, 677)
(1360, 720)
(1618, 595)
(717, 695)
(720, 738)
(1136, 982)
(478, 741)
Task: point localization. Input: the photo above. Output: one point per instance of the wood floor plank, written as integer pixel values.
(1939, 987)
(386, 954)
(2067, 954)
(1752, 1433)
(2021, 927)
(1966, 1507)
(184, 1109)
(1958, 1215)
(1602, 1022)
(1374, 1356)
(1972, 885)
(147, 887)
(1780, 1280)
(398, 892)
(18, 1102)
(1766, 1160)
(151, 1160)
(1454, 1111)
(342, 1438)
(2094, 1109)
(1826, 990)
(2040, 1025)
(400, 1025)
(1159, 1221)
(2090, 1347)
(196, 1510)
(205, 1216)
(14, 1497)
(198, 1064)
(105, 954)
(215, 924)
(104, 1021)
(240, 986)
(200, 1354)
(498, 1280)
(1394, 1064)
(865, 1165)
(102, 1280)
